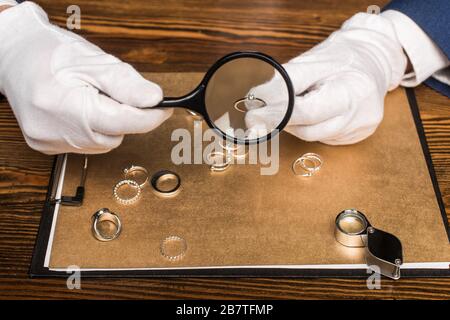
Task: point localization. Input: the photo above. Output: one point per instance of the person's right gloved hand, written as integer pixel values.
(67, 94)
(340, 84)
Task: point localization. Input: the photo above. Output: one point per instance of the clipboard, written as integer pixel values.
(240, 223)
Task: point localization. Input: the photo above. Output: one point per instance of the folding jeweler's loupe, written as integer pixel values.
(228, 96)
(383, 250)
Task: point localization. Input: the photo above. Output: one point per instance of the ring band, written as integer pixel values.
(314, 158)
(128, 171)
(303, 162)
(250, 97)
(165, 175)
(172, 257)
(127, 201)
(218, 167)
(105, 215)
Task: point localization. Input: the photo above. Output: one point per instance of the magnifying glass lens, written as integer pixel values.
(246, 99)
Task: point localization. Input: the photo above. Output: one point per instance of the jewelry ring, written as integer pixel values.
(236, 150)
(162, 176)
(313, 158)
(127, 172)
(304, 162)
(179, 253)
(129, 200)
(105, 215)
(250, 98)
(218, 167)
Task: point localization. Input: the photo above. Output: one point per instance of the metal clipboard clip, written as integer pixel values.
(77, 199)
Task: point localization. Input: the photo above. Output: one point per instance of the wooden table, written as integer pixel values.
(175, 36)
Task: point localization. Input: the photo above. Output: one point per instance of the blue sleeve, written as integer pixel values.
(433, 17)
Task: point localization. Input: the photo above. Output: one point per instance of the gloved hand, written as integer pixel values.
(340, 84)
(67, 94)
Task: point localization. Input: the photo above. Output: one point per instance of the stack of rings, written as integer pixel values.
(173, 257)
(105, 215)
(309, 163)
(127, 172)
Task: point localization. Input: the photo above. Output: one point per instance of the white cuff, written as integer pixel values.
(8, 3)
(425, 56)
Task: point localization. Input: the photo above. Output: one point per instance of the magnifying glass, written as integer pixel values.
(225, 97)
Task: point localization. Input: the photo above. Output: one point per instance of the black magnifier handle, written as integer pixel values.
(172, 102)
(193, 101)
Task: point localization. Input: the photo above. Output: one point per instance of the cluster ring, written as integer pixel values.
(127, 201)
(171, 257)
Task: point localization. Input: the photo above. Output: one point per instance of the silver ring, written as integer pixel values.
(218, 167)
(250, 97)
(303, 161)
(234, 149)
(173, 257)
(105, 215)
(127, 201)
(128, 171)
(228, 145)
(162, 176)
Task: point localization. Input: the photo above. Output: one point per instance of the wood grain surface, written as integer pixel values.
(175, 36)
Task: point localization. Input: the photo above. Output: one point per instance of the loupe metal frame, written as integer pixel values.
(195, 100)
(384, 253)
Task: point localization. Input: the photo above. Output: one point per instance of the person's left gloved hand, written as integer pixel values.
(68, 95)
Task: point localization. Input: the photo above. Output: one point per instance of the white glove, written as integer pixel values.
(343, 81)
(53, 79)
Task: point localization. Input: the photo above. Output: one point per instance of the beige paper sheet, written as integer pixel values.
(240, 218)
